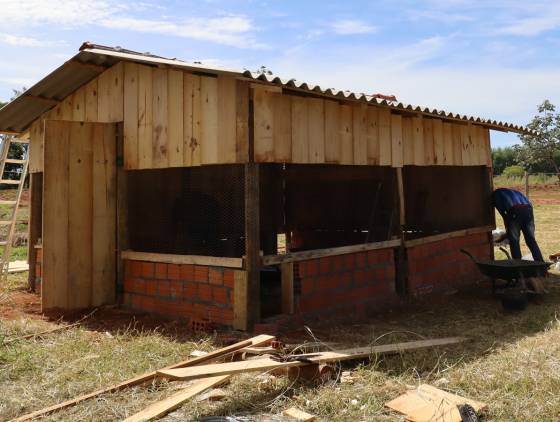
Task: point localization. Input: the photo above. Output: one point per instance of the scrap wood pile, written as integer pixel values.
(258, 354)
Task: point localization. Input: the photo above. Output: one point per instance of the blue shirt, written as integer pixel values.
(504, 199)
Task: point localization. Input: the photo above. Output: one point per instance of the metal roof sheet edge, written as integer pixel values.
(13, 116)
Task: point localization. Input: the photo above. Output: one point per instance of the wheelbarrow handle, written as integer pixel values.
(469, 255)
(504, 250)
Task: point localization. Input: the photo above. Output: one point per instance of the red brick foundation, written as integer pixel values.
(440, 266)
(198, 293)
(346, 285)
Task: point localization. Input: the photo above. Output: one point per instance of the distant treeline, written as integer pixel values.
(508, 156)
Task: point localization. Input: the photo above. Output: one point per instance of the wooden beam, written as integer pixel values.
(252, 241)
(266, 364)
(287, 273)
(122, 205)
(213, 261)
(46, 100)
(443, 236)
(35, 223)
(318, 253)
(149, 376)
(163, 407)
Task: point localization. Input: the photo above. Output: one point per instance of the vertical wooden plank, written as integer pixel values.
(448, 158)
(287, 274)
(227, 118)
(418, 136)
(110, 90)
(240, 292)
(104, 215)
(160, 111)
(80, 218)
(332, 132)
(91, 101)
(400, 188)
(316, 130)
(457, 146)
(396, 140)
(145, 117)
(282, 136)
(191, 120)
(264, 125)
(346, 153)
(122, 210)
(54, 287)
(64, 110)
(252, 241)
(465, 145)
(130, 150)
(300, 140)
(385, 145)
(209, 120)
(79, 105)
(35, 149)
(35, 228)
(373, 135)
(481, 145)
(359, 134)
(437, 128)
(428, 142)
(242, 119)
(175, 117)
(408, 141)
(487, 147)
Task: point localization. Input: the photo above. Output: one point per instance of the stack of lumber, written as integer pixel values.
(212, 369)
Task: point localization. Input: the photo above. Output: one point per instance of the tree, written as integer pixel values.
(543, 144)
(502, 158)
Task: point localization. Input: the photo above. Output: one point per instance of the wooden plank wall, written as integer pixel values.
(295, 129)
(79, 215)
(175, 119)
(171, 118)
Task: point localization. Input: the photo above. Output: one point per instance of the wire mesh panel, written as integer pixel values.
(191, 211)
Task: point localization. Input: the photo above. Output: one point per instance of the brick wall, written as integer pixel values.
(191, 292)
(344, 285)
(440, 266)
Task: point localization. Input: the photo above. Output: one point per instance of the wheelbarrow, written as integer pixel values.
(514, 293)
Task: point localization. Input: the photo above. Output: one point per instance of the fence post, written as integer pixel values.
(527, 184)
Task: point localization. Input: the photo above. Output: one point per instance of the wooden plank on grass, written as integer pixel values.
(175, 119)
(265, 364)
(163, 407)
(131, 116)
(299, 415)
(149, 376)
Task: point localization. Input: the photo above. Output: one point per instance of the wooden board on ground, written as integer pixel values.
(171, 403)
(299, 415)
(259, 340)
(428, 403)
(265, 364)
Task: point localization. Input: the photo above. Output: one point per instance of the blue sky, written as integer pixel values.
(495, 59)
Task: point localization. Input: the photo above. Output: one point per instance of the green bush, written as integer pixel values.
(514, 171)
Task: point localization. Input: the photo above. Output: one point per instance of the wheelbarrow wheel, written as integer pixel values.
(514, 299)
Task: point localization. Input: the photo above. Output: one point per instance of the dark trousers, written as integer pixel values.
(520, 220)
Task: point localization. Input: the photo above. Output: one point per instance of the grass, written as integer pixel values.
(534, 179)
(511, 361)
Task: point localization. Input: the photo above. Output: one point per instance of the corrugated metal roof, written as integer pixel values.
(93, 59)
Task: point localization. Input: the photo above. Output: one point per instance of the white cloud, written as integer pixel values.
(22, 41)
(352, 26)
(230, 30)
(532, 26)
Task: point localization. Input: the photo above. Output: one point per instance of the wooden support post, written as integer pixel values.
(122, 210)
(287, 270)
(401, 260)
(35, 223)
(252, 243)
(527, 184)
(252, 228)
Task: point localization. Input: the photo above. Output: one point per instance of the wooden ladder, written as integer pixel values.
(20, 168)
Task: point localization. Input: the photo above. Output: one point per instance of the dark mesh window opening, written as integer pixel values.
(322, 206)
(444, 199)
(189, 211)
